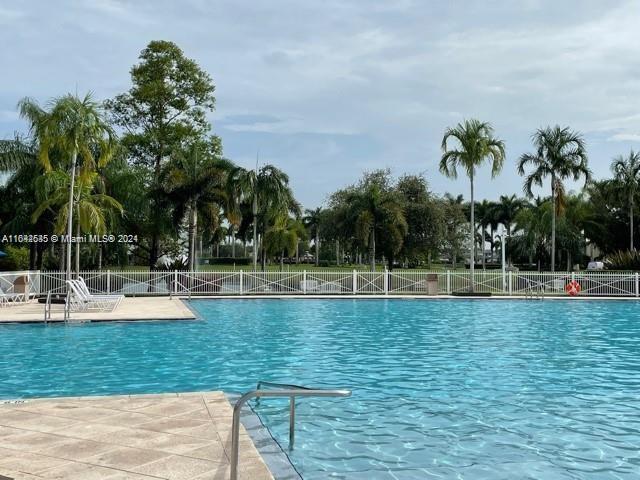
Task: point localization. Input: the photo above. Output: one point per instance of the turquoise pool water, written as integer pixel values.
(451, 389)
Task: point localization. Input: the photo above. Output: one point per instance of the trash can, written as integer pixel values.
(432, 284)
(21, 285)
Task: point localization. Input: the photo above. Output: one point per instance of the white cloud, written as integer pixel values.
(625, 137)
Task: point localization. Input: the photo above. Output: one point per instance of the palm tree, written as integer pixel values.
(267, 190)
(627, 175)
(94, 211)
(375, 211)
(282, 239)
(16, 153)
(312, 222)
(75, 128)
(483, 215)
(195, 181)
(506, 211)
(475, 144)
(560, 154)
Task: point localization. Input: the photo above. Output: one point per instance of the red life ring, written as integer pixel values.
(572, 288)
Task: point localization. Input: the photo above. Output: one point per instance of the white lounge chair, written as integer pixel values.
(82, 301)
(108, 298)
(6, 298)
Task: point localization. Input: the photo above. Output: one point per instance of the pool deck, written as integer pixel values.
(131, 308)
(137, 437)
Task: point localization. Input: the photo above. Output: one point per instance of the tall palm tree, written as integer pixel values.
(312, 222)
(75, 128)
(93, 211)
(559, 154)
(474, 144)
(627, 174)
(506, 211)
(483, 216)
(267, 190)
(196, 182)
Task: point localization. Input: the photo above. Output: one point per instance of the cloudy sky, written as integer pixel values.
(328, 89)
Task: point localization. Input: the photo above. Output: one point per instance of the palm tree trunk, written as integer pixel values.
(99, 256)
(472, 260)
(553, 222)
(74, 157)
(373, 250)
(255, 232)
(282, 261)
(233, 242)
(483, 231)
(191, 236)
(631, 222)
(338, 253)
(317, 247)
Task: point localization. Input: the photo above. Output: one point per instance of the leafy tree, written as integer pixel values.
(474, 143)
(559, 154)
(626, 171)
(195, 182)
(164, 110)
(425, 220)
(270, 198)
(312, 221)
(73, 128)
(376, 213)
(454, 225)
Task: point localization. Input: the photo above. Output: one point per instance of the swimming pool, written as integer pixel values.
(471, 389)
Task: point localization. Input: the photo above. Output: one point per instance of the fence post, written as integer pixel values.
(304, 282)
(241, 281)
(510, 283)
(448, 282)
(108, 281)
(385, 281)
(175, 282)
(637, 284)
(355, 282)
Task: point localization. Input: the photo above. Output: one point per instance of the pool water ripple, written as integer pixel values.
(450, 389)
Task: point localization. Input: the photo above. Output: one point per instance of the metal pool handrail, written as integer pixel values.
(284, 390)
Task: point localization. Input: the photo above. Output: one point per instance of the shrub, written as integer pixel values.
(229, 261)
(623, 260)
(17, 258)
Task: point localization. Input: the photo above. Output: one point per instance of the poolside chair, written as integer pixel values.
(7, 298)
(82, 301)
(109, 298)
(109, 301)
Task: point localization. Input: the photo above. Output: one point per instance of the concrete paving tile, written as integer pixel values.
(44, 423)
(77, 449)
(172, 443)
(183, 425)
(169, 409)
(89, 430)
(8, 431)
(31, 441)
(79, 471)
(178, 468)
(214, 452)
(124, 458)
(30, 462)
(128, 419)
(131, 437)
(11, 417)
